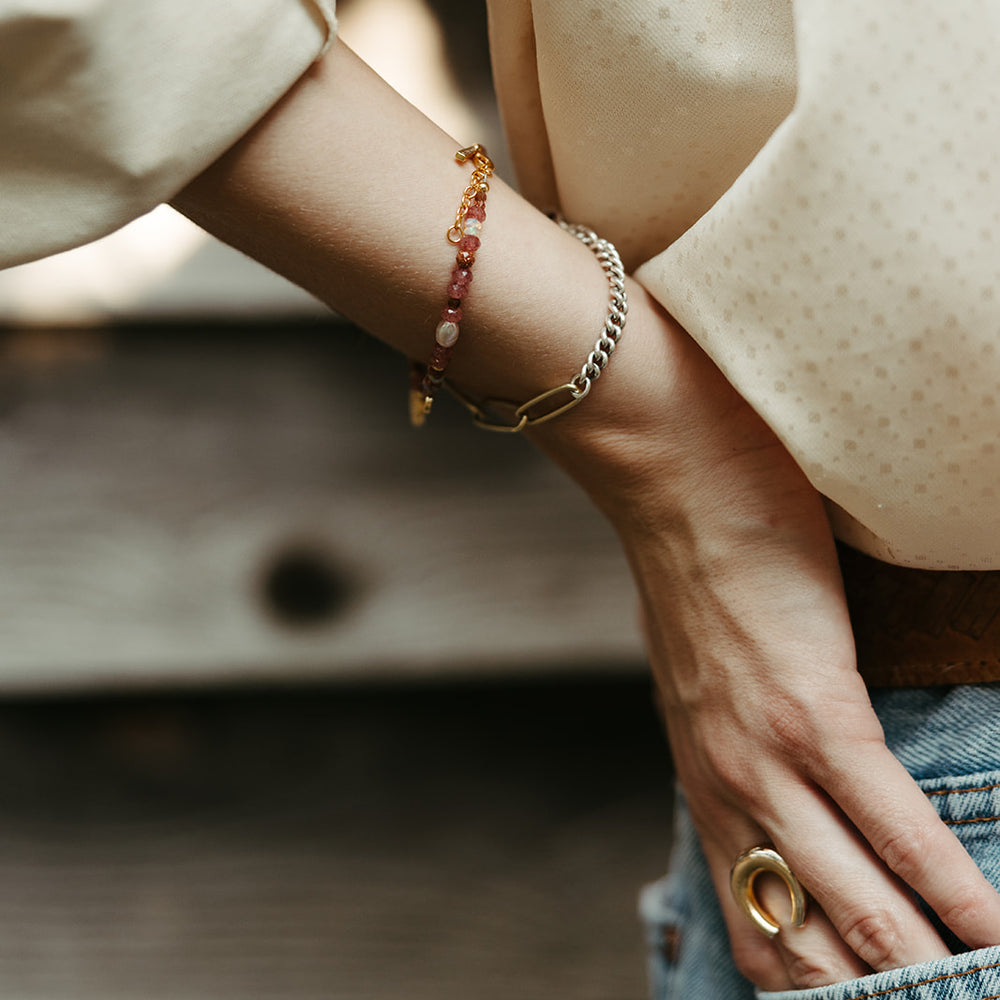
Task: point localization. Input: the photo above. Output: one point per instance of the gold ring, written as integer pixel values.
(745, 870)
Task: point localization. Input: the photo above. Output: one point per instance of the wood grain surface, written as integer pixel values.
(210, 503)
(404, 843)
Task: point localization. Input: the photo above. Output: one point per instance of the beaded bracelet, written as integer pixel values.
(488, 413)
(464, 234)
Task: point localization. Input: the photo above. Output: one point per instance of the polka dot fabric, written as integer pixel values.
(843, 265)
(848, 283)
(652, 110)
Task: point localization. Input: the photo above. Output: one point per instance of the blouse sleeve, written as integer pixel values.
(109, 107)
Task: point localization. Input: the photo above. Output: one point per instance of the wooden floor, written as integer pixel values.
(472, 840)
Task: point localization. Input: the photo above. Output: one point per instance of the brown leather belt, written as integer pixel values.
(915, 627)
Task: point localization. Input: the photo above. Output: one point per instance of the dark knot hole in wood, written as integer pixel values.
(302, 588)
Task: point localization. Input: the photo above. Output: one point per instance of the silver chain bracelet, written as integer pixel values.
(485, 412)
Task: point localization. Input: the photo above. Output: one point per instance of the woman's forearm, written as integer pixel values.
(348, 190)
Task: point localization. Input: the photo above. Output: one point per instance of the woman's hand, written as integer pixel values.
(773, 736)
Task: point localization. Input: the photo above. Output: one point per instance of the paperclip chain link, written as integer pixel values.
(484, 412)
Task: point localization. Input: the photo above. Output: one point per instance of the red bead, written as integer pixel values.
(451, 315)
(461, 276)
(454, 303)
(480, 195)
(471, 243)
(440, 357)
(465, 258)
(476, 211)
(457, 291)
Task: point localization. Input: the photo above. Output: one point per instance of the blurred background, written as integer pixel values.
(297, 702)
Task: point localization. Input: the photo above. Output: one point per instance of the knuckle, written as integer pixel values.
(962, 913)
(906, 852)
(790, 725)
(875, 938)
(731, 771)
(811, 972)
(799, 729)
(968, 910)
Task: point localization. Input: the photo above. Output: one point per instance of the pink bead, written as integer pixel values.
(469, 243)
(450, 315)
(457, 291)
(476, 211)
(461, 276)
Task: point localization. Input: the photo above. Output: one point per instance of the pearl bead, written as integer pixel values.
(446, 333)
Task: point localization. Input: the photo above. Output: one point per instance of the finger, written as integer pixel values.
(908, 835)
(871, 910)
(814, 954)
(756, 956)
(797, 958)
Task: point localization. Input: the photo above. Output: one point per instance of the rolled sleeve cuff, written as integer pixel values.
(109, 107)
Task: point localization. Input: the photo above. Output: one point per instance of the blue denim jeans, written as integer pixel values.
(949, 740)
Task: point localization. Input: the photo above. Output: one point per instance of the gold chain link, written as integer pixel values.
(508, 417)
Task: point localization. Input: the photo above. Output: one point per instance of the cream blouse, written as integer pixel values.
(811, 188)
(109, 107)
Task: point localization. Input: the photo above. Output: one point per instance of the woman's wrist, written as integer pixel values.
(348, 191)
(659, 416)
(317, 193)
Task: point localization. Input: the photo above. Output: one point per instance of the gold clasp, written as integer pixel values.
(476, 152)
(482, 171)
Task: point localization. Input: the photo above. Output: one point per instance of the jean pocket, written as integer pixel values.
(663, 911)
(970, 805)
(689, 956)
(973, 975)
